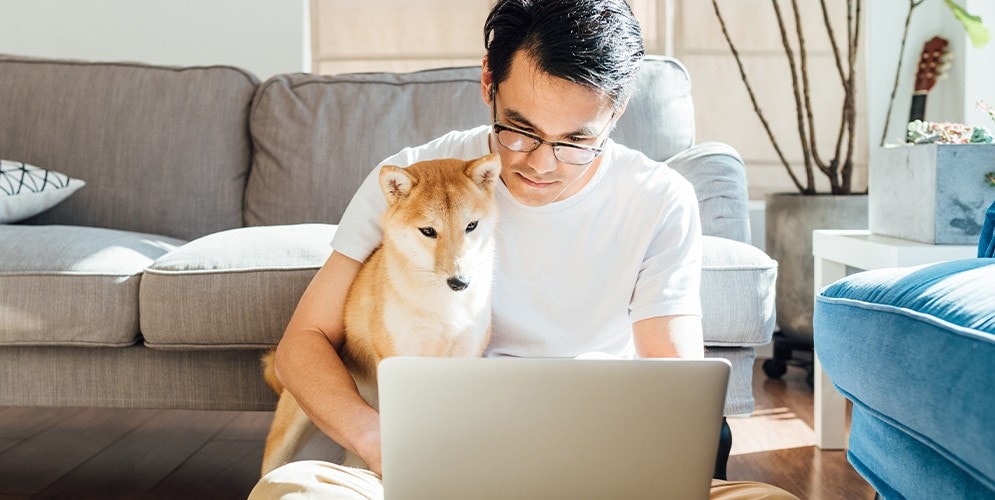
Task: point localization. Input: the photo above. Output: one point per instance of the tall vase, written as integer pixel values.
(790, 219)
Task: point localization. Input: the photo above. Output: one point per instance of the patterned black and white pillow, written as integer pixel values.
(27, 190)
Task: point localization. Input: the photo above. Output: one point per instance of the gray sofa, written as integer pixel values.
(210, 202)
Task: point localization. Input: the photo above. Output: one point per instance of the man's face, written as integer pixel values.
(555, 110)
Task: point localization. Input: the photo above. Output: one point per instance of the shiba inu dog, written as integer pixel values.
(426, 291)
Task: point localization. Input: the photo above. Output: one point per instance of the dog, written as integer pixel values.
(425, 291)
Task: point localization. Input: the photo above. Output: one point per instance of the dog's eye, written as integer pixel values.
(471, 226)
(428, 231)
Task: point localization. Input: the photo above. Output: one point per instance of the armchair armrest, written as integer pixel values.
(719, 177)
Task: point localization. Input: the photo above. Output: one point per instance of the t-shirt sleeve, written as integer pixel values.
(669, 282)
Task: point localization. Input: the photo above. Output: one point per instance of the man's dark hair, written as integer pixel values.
(594, 43)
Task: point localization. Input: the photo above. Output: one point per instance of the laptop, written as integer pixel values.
(477, 429)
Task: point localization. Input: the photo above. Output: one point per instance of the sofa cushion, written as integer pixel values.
(914, 348)
(163, 150)
(737, 293)
(66, 285)
(26, 190)
(319, 136)
(237, 288)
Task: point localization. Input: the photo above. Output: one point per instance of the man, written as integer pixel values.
(598, 247)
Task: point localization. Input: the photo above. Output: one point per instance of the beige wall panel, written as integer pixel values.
(649, 14)
(752, 25)
(384, 28)
(724, 111)
(764, 178)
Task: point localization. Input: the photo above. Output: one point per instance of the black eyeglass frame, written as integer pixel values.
(498, 127)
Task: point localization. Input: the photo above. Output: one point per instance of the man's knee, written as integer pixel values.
(317, 479)
(747, 490)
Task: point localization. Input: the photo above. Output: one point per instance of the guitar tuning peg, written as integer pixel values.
(943, 67)
(947, 56)
(943, 75)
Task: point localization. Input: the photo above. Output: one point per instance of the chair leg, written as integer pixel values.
(725, 446)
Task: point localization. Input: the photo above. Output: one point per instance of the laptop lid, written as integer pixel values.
(472, 428)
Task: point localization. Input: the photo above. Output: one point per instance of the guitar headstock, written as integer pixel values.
(933, 63)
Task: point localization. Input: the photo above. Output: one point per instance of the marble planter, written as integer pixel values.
(790, 219)
(930, 193)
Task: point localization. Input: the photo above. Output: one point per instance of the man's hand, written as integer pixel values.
(368, 448)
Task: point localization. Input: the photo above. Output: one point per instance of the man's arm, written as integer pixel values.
(669, 337)
(309, 366)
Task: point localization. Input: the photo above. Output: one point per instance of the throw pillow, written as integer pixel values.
(26, 190)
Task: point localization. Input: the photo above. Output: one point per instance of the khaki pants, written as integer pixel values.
(314, 479)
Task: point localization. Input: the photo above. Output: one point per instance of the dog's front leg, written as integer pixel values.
(289, 432)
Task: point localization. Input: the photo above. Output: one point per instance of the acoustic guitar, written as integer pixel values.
(933, 64)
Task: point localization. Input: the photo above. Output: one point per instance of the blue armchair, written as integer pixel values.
(914, 350)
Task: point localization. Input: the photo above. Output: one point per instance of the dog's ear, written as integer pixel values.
(485, 171)
(396, 183)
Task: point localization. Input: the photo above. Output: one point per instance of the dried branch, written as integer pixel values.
(832, 40)
(753, 99)
(854, 24)
(803, 59)
(799, 108)
(898, 72)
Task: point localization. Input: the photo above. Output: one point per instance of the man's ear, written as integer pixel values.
(396, 183)
(485, 171)
(486, 82)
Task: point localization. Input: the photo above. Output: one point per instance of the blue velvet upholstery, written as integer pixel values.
(914, 349)
(986, 243)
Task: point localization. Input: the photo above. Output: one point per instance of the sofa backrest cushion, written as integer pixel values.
(317, 137)
(162, 150)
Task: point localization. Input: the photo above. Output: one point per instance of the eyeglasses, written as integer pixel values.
(521, 141)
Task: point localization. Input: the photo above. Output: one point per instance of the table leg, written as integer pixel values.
(830, 405)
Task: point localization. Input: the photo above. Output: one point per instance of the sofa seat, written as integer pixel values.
(232, 289)
(73, 285)
(914, 349)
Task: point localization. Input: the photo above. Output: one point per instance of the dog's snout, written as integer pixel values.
(457, 283)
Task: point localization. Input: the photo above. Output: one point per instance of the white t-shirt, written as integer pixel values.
(572, 276)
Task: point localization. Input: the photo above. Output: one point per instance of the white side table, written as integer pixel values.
(834, 250)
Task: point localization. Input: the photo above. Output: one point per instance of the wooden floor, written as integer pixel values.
(100, 453)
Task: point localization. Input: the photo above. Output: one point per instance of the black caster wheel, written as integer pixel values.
(775, 368)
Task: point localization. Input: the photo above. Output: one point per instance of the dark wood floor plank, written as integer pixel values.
(14, 497)
(36, 462)
(220, 470)
(142, 459)
(21, 421)
(6, 443)
(247, 426)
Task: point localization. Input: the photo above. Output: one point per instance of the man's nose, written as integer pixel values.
(542, 159)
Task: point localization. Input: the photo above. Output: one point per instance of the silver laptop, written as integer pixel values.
(469, 429)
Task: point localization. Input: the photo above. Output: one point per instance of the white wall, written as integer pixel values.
(971, 76)
(263, 36)
(979, 72)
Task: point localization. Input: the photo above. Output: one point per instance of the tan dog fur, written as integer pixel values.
(408, 297)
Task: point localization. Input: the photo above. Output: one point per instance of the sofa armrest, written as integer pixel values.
(719, 177)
